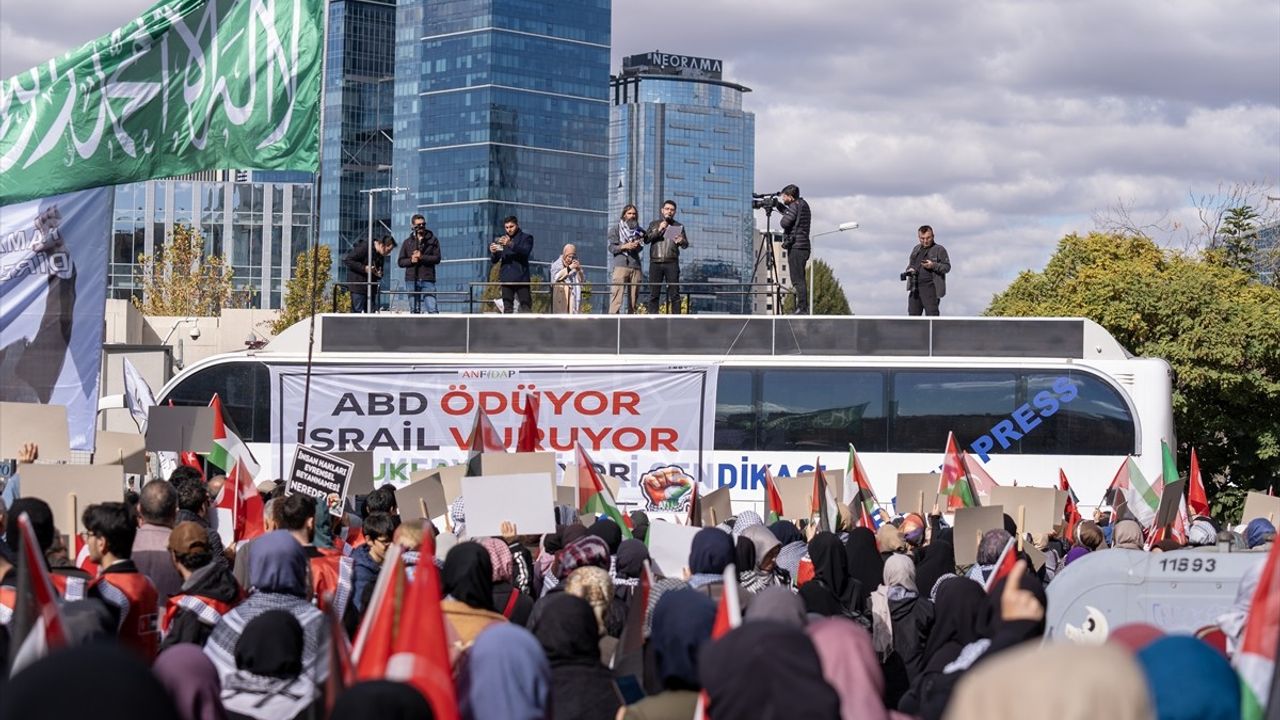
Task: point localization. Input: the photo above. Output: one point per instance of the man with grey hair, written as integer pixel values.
(158, 510)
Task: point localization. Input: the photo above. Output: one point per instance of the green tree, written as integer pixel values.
(828, 293)
(181, 280)
(1236, 245)
(307, 289)
(1217, 328)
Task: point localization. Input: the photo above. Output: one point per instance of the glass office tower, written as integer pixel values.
(502, 108)
(677, 131)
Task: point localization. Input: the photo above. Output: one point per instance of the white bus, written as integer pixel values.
(1030, 396)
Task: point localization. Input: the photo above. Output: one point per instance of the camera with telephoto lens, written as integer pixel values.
(910, 278)
(766, 201)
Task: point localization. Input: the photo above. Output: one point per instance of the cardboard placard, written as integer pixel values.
(121, 448)
(69, 489)
(424, 485)
(1170, 501)
(526, 500)
(1037, 502)
(910, 488)
(451, 478)
(715, 507)
(1034, 554)
(325, 477)
(669, 546)
(179, 429)
(1059, 505)
(796, 494)
(44, 425)
(361, 472)
(503, 463)
(971, 523)
(1256, 505)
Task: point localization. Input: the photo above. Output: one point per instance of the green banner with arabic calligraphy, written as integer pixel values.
(191, 85)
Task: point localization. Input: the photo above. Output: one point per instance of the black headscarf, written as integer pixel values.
(712, 551)
(681, 627)
(865, 563)
(958, 613)
(468, 575)
(744, 554)
(786, 532)
(382, 699)
(1017, 630)
(104, 681)
(575, 531)
(832, 591)
(639, 525)
(631, 557)
(566, 627)
(271, 645)
(765, 670)
(608, 531)
(936, 559)
(553, 542)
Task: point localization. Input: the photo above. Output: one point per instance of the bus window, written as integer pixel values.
(822, 410)
(929, 404)
(735, 411)
(1096, 422)
(244, 388)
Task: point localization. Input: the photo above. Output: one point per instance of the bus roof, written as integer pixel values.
(703, 335)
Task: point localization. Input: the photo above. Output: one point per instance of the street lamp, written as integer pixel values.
(851, 225)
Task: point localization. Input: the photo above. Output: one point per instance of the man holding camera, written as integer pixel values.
(511, 252)
(795, 240)
(665, 238)
(566, 282)
(364, 272)
(926, 274)
(419, 255)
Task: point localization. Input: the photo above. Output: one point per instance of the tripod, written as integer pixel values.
(771, 267)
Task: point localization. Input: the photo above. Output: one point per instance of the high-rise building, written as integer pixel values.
(677, 131)
(254, 221)
(502, 108)
(772, 285)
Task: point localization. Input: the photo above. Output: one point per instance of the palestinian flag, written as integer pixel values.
(981, 480)
(240, 493)
(1136, 497)
(484, 439)
(527, 439)
(1004, 564)
(594, 496)
(1256, 659)
(862, 501)
(1197, 501)
(35, 628)
(955, 482)
(822, 504)
(1071, 511)
(729, 609)
(772, 499)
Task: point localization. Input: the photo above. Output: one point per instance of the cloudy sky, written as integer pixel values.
(1005, 125)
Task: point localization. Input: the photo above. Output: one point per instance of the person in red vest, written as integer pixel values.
(208, 590)
(109, 532)
(69, 582)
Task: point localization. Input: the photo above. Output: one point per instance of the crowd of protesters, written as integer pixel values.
(855, 623)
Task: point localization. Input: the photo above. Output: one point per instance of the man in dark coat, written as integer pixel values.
(927, 268)
(511, 252)
(364, 271)
(419, 255)
(795, 226)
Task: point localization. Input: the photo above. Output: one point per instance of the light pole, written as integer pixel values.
(851, 225)
(368, 290)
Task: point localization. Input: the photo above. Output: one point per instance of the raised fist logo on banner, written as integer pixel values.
(667, 489)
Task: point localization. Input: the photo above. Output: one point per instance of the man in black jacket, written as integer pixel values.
(419, 255)
(364, 272)
(665, 238)
(795, 240)
(208, 591)
(511, 251)
(928, 267)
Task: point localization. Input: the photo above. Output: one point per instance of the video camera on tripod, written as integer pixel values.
(767, 202)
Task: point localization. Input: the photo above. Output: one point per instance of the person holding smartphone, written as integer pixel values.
(511, 252)
(566, 282)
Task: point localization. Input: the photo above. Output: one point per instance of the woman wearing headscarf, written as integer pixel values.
(910, 621)
(581, 687)
(777, 604)
(681, 627)
(269, 681)
(1126, 535)
(467, 580)
(757, 556)
(661, 586)
(278, 576)
(865, 563)
(505, 675)
(793, 548)
(832, 591)
(959, 619)
(381, 699)
(631, 558)
(889, 541)
(743, 520)
(192, 682)
(593, 585)
(989, 548)
(1190, 680)
(639, 525)
(508, 600)
(711, 552)
(936, 559)
(850, 666)
(1105, 682)
(765, 670)
(608, 531)
(101, 680)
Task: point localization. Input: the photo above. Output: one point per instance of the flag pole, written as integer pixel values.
(315, 226)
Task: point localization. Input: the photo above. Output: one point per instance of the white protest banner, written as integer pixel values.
(669, 546)
(53, 291)
(323, 476)
(526, 500)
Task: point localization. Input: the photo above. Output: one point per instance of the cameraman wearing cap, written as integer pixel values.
(419, 255)
(795, 240)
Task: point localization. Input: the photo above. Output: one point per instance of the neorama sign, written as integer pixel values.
(425, 415)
